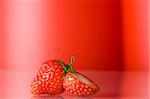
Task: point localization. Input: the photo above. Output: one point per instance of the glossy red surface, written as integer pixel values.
(113, 85)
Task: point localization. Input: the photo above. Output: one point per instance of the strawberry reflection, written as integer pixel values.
(47, 97)
(73, 97)
(59, 97)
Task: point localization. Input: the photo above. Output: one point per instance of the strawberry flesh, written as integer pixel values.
(79, 85)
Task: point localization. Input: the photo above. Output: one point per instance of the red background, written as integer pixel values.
(109, 39)
(101, 34)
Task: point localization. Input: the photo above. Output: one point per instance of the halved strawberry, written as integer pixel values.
(48, 79)
(77, 84)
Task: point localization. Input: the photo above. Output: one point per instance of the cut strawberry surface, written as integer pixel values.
(77, 84)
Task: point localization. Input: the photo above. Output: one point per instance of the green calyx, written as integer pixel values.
(67, 68)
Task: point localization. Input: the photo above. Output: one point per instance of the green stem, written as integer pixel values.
(70, 65)
(72, 61)
(62, 64)
(67, 68)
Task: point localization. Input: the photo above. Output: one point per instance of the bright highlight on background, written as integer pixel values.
(104, 35)
(110, 35)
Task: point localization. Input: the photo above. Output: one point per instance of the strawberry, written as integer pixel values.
(48, 79)
(76, 83)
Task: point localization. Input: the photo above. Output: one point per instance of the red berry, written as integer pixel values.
(48, 79)
(55, 76)
(77, 84)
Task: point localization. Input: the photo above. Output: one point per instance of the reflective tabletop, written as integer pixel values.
(14, 84)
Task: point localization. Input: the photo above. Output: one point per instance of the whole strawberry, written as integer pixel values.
(48, 79)
(76, 83)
